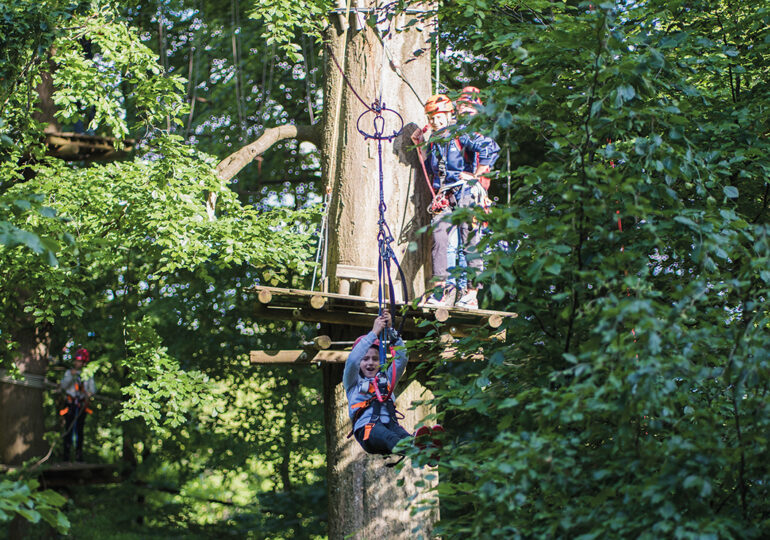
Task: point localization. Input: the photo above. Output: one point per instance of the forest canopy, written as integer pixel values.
(629, 233)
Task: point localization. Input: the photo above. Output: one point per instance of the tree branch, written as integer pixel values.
(232, 164)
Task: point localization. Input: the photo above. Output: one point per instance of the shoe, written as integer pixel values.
(436, 432)
(435, 302)
(451, 294)
(422, 437)
(469, 301)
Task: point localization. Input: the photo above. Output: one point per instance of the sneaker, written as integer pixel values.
(437, 432)
(469, 301)
(434, 302)
(450, 295)
(422, 437)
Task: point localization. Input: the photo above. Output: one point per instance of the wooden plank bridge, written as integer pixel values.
(80, 146)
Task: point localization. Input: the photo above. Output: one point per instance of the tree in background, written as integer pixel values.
(134, 237)
(631, 397)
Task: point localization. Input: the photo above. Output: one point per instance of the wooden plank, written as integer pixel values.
(81, 146)
(331, 357)
(361, 273)
(294, 356)
(357, 311)
(72, 473)
(317, 301)
(298, 356)
(449, 353)
(454, 311)
(265, 296)
(278, 291)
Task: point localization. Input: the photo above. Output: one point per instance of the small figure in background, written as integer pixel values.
(77, 393)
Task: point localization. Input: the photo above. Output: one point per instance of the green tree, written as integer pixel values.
(135, 234)
(630, 399)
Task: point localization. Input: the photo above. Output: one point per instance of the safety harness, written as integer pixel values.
(377, 387)
(446, 197)
(77, 402)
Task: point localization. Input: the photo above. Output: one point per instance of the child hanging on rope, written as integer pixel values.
(371, 403)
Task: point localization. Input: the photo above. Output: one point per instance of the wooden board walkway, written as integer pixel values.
(67, 473)
(358, 311)
(80, 146)
(334, 308)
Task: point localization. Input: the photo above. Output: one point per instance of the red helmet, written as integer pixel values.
(470, 94)
(438, 103)
(82, 355)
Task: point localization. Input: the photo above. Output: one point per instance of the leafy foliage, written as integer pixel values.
(23, 498)
(630, 398)
(154, 288)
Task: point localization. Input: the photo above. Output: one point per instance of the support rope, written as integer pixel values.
(386, 255)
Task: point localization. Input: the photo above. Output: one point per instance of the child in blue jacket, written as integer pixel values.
(448, 164)
(371, 403)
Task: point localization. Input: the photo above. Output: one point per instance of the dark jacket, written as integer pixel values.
(446, 160)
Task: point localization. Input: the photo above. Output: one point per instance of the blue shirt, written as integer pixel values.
(460, 154)
(357, 386)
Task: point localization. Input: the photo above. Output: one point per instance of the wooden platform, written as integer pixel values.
(333, 308)
(358, 311)
(68, 473)
(81, 147)
(308, 356)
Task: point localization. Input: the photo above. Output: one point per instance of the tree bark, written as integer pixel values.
(22, 418)
(350, 162)
(365, 498)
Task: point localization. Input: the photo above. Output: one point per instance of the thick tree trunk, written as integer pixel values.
(350, 162)
(366, 499)
(22, 418)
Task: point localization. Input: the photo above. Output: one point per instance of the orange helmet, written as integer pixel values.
(438, 103)
(470, 94)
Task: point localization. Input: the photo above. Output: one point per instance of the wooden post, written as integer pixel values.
(21, 407)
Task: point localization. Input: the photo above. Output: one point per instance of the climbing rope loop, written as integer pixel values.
(384, 234)
(378, 124)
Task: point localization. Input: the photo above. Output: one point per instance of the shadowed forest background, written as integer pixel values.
(630, 233)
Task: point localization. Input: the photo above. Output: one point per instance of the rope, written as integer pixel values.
(384, 234)
(28, 380)
(322, 241)
(345, 78)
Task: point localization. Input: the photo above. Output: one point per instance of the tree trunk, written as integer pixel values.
(365, 498)
(22, 418)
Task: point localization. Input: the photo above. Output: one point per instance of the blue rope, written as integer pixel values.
(384, 234)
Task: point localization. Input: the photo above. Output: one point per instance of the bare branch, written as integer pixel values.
(232, 164)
